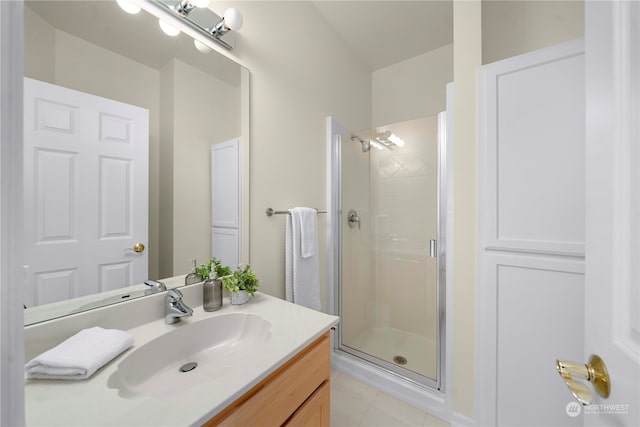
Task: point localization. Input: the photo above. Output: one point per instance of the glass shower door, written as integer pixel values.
(389, 269)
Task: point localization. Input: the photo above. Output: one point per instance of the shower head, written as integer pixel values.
(366, 145)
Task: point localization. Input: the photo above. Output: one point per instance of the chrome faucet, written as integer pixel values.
(175, 308)
(155, 287)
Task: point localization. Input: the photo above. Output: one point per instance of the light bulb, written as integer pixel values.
(376, 144)
(201, 46)
(128, 7)
(168, 29)
(233, 19)
(199, 3)
(396, 140)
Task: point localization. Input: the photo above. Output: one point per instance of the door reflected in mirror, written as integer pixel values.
(119, 124)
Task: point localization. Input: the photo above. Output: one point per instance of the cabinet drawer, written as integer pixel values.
(316, 411)
(277, 397)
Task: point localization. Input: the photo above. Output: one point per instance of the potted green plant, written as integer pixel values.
(242, 283)
(214, 264)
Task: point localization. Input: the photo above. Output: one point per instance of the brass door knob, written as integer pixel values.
(138, 247)
(595, 371)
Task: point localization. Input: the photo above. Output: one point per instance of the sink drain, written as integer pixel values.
(188, 367)
(400, 360)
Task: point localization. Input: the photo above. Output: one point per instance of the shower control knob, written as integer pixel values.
(353, 219)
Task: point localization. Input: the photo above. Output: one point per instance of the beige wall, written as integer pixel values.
(413, 88)
(39, 47)
(511, 28)
(165, 162)
(208, 113)
(300, 73)
(467, 38)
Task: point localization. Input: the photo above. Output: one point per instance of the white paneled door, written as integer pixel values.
(85, 193)
(226, 200)
(612, 297)
(559, 225)
(531, 234)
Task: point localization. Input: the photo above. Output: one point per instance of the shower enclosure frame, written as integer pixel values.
(410, 384)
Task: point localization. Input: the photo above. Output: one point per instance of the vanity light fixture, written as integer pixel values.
(169, 30)
(128, 7)
(183, 7)
(199, 20)
(231, 20)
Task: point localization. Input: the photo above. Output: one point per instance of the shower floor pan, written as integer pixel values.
(418, 353)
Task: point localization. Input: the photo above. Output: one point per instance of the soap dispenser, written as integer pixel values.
(193, 277)
(212, 293)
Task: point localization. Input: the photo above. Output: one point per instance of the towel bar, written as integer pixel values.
(271, 212)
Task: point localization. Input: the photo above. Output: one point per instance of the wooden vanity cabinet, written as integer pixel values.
(315, 411)
(296, 394)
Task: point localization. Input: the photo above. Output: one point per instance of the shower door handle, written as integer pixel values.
(433, 248)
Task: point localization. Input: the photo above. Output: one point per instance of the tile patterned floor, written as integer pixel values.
(354, 403)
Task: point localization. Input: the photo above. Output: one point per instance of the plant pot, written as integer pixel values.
(239, 297)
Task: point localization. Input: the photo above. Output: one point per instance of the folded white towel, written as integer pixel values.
(80, 356)
(308, 218)
(302, 282)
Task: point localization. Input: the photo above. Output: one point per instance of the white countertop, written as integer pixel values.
(92, 402)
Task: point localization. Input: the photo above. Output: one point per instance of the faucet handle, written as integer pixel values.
(174, 295)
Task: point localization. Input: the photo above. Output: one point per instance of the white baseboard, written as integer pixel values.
(459, 420)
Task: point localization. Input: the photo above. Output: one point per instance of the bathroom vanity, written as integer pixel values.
(297, 394)
(266, 362)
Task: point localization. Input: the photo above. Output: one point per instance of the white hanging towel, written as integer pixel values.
(301, 252)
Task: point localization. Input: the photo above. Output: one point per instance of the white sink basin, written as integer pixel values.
(216, 344)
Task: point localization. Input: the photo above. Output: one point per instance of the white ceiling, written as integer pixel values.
(383, 33)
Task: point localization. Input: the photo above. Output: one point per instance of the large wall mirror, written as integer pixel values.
(154, 106)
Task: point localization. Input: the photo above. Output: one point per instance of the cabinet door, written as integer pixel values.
(316, 411)
(226, 184)
(225, 245)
